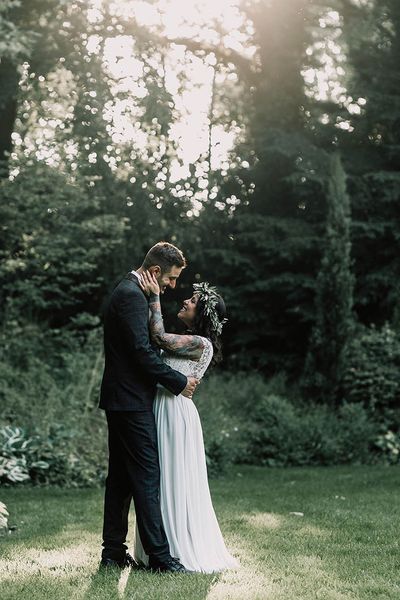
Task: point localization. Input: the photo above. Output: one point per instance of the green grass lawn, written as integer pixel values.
(345, 546)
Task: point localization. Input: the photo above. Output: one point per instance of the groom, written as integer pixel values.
(132, 370)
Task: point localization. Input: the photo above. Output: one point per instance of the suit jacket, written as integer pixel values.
(132, 365)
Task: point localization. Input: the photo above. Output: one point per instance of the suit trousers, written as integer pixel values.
(133, 472)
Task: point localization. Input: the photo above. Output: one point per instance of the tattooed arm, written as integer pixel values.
(188, 346)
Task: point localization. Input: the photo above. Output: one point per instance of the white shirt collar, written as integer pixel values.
(136, 274)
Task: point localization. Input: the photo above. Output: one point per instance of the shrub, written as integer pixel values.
(49, 388)
(55, 259)
(372, 372)
(71, 463)
(61, 459)
(349, 435)
(247, 419)
(221, 427)
(389, 444)
(48, 375)
(281, 434)
(18, 457)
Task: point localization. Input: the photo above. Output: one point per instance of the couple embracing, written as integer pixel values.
(156, 448)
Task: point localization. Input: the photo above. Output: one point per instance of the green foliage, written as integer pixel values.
(72, 462)
(34, 37)
(61, 458)
(265, 273)
(245, 419)
(371, 376)
(334, 300)
(15, 41)
(18, 456)
(281, 434)
(48, 374)
(249, 420)
(389, 444)
(221, 427)
(371, 153)
(263, 229)
(49, 394)
(266, 219)
(56, 240)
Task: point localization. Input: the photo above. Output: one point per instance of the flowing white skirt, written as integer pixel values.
(188, 515)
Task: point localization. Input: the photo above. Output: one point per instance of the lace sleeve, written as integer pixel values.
(202, 364)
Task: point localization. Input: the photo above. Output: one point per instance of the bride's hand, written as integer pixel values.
(149, 283)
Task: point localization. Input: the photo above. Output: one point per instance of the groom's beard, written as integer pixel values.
(162, 287)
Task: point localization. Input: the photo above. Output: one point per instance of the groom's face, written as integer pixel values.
(168, 278)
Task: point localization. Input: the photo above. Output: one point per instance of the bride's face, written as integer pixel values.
(188, 310)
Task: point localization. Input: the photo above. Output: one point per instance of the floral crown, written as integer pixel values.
(209, 295)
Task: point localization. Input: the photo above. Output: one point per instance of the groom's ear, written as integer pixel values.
(155, 270)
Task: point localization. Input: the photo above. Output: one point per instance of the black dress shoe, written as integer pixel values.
(110, 563)
(127, 562)
(170, 566)
(131, 562)
(177, 561)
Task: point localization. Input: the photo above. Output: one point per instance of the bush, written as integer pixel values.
(225, 403)
(245, 419)
(372, 372)
(49, 394)
(62, 458)
(71, 460)
(389, 444)
(18, 456)
(47, 375)
(221, 428)
(249, 420)
(281, 434)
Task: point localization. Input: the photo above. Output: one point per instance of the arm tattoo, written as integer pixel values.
(188, 346)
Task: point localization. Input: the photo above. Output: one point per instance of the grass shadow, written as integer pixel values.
(195, 586)
(104, 584)
(114, 584)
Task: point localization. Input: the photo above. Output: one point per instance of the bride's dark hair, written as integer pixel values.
(202, 326)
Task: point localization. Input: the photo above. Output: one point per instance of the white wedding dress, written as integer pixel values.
(188, 515)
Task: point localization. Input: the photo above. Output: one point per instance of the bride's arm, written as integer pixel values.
(189, 346)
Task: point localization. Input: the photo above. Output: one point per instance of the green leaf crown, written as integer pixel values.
(209, 296)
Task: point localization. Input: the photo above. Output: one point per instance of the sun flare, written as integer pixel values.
(214, 22)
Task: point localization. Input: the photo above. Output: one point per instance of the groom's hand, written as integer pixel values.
(191, 385)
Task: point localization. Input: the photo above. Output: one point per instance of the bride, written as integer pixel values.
(188, 515)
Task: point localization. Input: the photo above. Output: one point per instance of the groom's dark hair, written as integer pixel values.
(165, 255)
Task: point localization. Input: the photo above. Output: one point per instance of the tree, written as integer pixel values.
(31, 35)
(364, 124)
(262, 230)
(333, 327)
(56, 247)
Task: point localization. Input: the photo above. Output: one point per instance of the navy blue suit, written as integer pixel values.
(131, 373)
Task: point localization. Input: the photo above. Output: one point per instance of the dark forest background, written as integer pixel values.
(299, 227)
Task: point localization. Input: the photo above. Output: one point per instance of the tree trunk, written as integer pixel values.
(9, 78)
